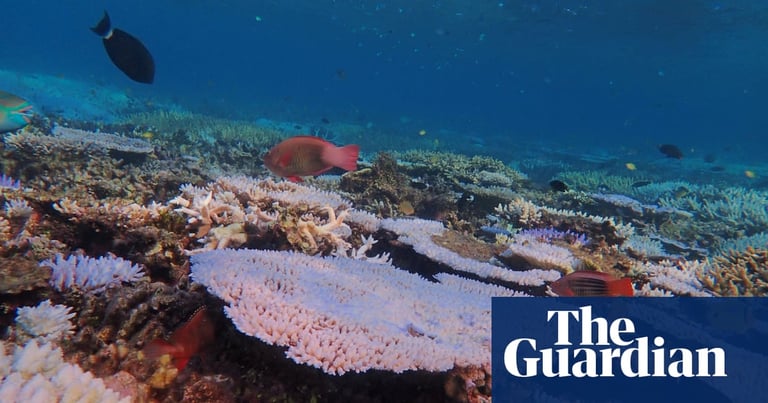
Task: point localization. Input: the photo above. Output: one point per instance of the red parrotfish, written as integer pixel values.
(15, 112)
(309, 156)
(185, 342)
(592, 284)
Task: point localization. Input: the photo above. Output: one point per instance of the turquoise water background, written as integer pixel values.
(584, 74)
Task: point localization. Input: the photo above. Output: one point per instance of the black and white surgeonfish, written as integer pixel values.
(126, 52)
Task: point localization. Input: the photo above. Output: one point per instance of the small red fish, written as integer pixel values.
(185, 342)
(309, 156)
(592, 284)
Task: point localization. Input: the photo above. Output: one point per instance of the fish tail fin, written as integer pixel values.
(104, 27)
(158, 348)
(621, 287)
(342, 157)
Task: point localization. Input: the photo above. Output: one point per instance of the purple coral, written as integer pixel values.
(8, 182)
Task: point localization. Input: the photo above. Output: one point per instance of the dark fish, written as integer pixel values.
(325, 120)
(681, 192)
(126, 52)
(710, 158)
(671, 151)
(640, 184)
(717, 168)
(558, 185)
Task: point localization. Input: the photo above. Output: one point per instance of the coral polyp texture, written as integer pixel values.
(45, 321)
(347, 315)
(36, 372)
(91, 275)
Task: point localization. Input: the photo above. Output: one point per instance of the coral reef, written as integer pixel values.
(323, 315)
(91, 275)
(44, 322)
(37, 373)
(738, 273)
(298, 266)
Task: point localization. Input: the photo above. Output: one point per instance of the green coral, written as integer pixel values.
(477, 169)
(202, 130)
(592, 181)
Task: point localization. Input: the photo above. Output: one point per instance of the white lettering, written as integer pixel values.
(683, 366)
(510, 359)
(563, 338)
(703, 357)
(582, 362)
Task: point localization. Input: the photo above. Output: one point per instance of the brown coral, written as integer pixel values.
(739, 274)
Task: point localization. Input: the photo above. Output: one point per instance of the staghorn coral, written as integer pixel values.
(523, 213)
(236, 210)
(738, 273)
(680, 277)
(348, 315)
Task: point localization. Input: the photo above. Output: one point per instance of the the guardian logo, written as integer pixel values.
(607, 349)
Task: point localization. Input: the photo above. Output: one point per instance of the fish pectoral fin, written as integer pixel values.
(180, 362)
(294, 179)
(284, 160)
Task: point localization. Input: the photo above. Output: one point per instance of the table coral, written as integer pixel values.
(348, 315)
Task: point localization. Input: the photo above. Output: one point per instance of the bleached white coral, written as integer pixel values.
(45, 321)
(644, 246)
(360, 253)
(89, 274)
(680, 278)
(348, 315)
(369, 222)
(418, 233)
(541, 255)
(36, 372)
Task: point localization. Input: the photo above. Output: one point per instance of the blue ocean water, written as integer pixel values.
(584, 75)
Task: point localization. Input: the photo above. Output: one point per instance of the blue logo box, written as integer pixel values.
(630, 349)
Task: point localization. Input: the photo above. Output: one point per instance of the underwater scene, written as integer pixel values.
(315, 201)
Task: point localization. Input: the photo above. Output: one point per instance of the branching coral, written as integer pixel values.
(739, 273)
(45, 322)
(525, 214)
(225, 212)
